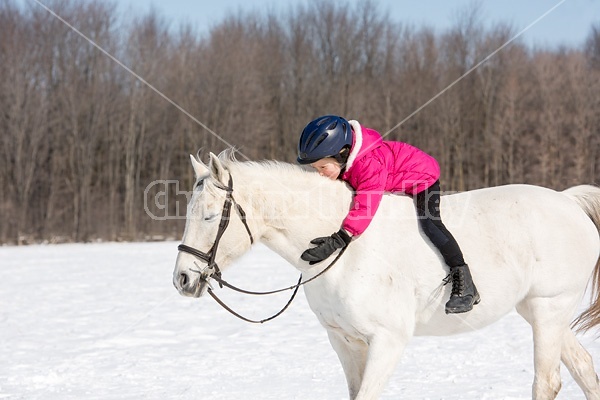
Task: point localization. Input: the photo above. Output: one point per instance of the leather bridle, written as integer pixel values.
(210, 256)
(214, 271)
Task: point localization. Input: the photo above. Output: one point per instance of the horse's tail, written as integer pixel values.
(588, 198)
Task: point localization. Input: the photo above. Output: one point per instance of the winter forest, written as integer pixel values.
(83, 140)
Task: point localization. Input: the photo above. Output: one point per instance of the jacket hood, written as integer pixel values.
(364, 141)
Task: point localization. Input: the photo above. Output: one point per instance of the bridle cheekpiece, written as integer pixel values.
(212, 269)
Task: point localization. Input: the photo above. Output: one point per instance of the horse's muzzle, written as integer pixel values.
(190, 284)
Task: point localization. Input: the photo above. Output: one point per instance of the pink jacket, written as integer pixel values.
(376, 166)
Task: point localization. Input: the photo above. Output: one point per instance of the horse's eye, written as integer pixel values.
(211, 217)
(199, 185)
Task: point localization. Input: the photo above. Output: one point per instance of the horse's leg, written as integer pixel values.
(353, 356)
(579, 363)
(546, 317)
(384, 352)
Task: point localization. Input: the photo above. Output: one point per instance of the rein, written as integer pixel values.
(215, 272)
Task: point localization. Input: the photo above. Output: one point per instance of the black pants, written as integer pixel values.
(428, 211)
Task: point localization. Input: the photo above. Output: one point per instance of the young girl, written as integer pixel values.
(340, 149)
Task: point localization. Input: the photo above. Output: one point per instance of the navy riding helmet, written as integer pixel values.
(324, 137)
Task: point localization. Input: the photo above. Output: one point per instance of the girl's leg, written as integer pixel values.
(464, 293)
(428, 210)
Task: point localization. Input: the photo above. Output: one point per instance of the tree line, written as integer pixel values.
(83, 139)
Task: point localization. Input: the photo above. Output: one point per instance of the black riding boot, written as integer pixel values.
(464, 293)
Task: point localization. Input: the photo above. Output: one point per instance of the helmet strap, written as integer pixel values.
(342, 158)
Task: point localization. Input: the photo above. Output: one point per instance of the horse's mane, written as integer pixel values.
(278, 172)
(292, 189)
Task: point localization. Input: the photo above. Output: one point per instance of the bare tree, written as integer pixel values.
(592, 46)
(24, 118)
(81, 138)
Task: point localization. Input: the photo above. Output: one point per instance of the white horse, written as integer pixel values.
(528, 247)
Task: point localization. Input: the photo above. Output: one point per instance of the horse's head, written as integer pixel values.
(216, 231)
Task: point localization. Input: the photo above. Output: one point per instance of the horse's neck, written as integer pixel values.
(290, 206)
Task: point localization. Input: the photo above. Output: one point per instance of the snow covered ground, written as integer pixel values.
(103, 321)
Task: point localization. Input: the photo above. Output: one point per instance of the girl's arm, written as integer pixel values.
(369, 188)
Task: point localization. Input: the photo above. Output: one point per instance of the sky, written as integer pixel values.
(568, 24)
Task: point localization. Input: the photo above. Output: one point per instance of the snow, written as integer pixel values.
(103, 321)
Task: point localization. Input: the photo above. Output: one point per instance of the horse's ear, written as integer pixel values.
(200, 169)
(216, 168)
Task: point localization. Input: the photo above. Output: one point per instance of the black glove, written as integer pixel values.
(326, 246)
